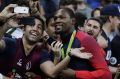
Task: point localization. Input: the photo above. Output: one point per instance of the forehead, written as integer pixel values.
(118, 17)
(94, 22)
(38, 21)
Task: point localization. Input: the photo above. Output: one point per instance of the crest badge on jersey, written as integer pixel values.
(113, 60)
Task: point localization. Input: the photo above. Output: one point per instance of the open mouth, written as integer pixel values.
(90, 33)
(58, 29)
(34, 33)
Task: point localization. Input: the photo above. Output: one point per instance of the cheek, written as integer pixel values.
(96, 31)
(52, 29)
(40, 32)
(86, 28)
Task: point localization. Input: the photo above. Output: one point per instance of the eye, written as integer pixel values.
(62, 17)
(95, 27)
(39, 26)
(89, 25)
(55, 17)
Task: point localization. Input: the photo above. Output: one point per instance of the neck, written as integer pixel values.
(27, 46)
(107, 28)
(66, 35)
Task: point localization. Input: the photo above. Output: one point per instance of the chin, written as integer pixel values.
(33, 40)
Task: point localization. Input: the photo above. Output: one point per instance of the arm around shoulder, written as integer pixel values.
(101, 70)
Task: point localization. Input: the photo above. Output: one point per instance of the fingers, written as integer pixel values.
(8, 11)
(77, 52)
(87, 55)
(56, 48)
(20, 26)
(53, 43)
(82, 48)
(11, 5)
(45, 36)
(56, 44)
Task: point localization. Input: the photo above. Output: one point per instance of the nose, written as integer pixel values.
(91, 28)
(57, 19)
(34, 27)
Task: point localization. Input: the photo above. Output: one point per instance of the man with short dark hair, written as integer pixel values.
(93, 27)
(111, 18)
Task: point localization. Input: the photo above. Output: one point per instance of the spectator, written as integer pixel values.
(96, 12)
(93, 26)
(83, 8)
(110, 15)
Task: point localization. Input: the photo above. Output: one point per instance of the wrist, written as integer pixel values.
(57, 55)
(2, 20)
(69, 54)
(3, 16)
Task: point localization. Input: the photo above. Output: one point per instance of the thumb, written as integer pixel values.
(11, 15)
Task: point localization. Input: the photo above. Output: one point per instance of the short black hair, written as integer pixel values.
(41, 19)
(25, 20)
(69, 11)
(80, 20)
(48, 20)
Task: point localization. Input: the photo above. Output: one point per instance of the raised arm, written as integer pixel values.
(4, 25)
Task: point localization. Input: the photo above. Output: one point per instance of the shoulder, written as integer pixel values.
(87, 41)
(9, 40)
(44, 55)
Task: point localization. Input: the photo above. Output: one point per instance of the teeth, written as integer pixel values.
(34, 33)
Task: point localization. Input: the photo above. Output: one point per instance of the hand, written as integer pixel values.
(78, 52)
(118, 69)
(30, 75)
(13, 22)
(4, 77)
(34, 6)
(45, 36)
(7, 12)
(56, 48)
(102, 41)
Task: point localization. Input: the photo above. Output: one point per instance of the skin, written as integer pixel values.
(50, 28)
(92, 27)
(63, 22)
(97, 13)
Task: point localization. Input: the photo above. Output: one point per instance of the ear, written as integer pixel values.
(73, 21)
(110, 19)
(23, 29)
(85, 23)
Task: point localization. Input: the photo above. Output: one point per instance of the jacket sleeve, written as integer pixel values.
(101, 70)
